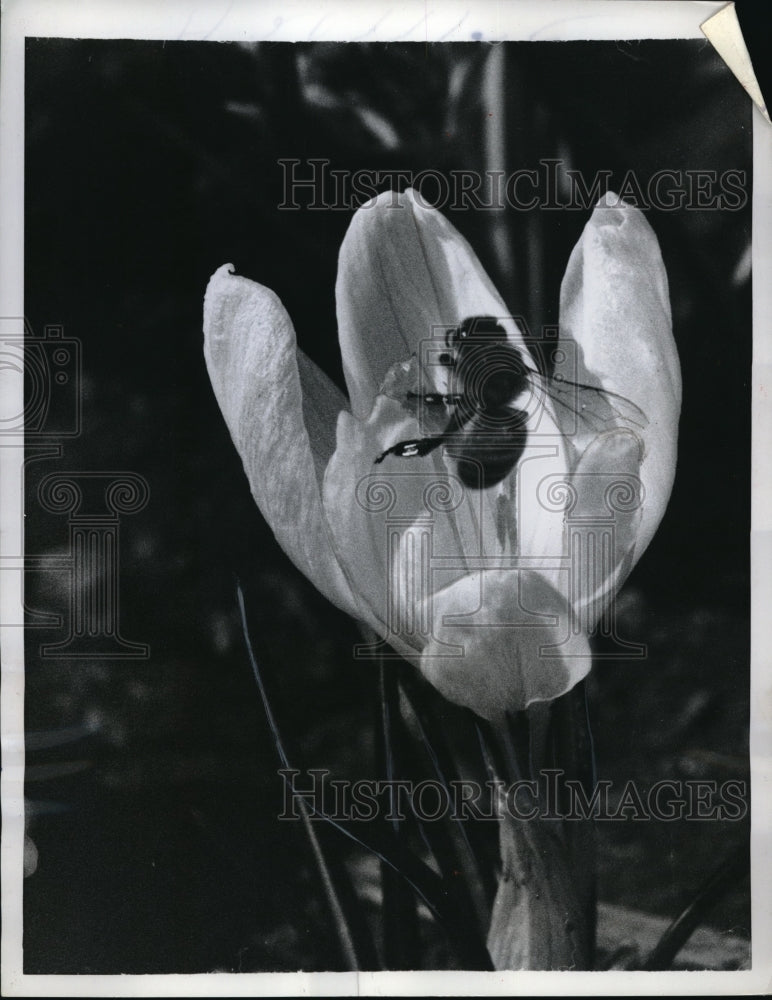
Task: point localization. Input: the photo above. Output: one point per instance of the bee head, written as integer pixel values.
(489, 371)
(484, 328)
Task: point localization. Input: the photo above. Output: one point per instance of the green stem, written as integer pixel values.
(543, 915)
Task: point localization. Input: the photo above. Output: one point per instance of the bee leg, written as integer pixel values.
(436, 399)
(413, 449)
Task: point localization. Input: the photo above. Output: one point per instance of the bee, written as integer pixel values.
(486, 432)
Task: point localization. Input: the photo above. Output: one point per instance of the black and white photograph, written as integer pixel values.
(378, 571)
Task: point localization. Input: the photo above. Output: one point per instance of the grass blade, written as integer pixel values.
(400, 925)
(357, 949)
(427, 885)
(682, 928)
(443, 764)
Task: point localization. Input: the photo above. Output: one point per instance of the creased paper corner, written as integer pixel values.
(723, 32)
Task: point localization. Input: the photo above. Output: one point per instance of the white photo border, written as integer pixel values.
(448, 20)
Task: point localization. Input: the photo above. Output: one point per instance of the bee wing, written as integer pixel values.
(597, 407)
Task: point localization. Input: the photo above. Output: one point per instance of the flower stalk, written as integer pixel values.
(543, 916)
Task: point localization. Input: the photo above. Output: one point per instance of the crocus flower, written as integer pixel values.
(491, 592)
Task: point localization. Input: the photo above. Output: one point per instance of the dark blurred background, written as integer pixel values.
(152, 782)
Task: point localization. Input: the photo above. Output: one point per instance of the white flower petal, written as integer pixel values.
(357, 501)
(404, 275)
(605, 500)
(250, 350)
(615, 306)
(378, 511)
(408, 525)
(508, 525)
(322, 402)
(503, 639)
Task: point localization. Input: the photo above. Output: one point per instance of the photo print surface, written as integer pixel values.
(390, 608)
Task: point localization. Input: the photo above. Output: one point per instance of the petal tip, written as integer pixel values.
(242, 321)
(224, 271)
(386, 200)
(214, 287)
(612, 210)
(618, 224)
